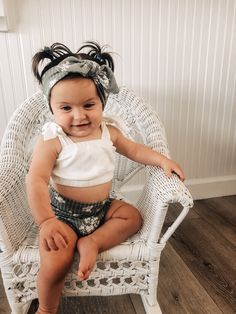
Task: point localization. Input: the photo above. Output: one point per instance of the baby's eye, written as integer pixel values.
(89, 105)
(66, 108)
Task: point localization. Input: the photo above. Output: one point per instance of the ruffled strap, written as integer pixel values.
(51, 130)
(116, 122)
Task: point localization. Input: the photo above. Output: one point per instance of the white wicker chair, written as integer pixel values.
(131, 267)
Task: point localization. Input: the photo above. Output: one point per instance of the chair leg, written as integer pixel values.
(20, 308)
(151, 306)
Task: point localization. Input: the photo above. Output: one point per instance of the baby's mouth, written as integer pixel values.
(81, 125)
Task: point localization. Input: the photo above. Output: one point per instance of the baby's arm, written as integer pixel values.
(51, 229)
(144, 154)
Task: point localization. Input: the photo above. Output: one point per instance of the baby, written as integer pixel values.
(69, 180)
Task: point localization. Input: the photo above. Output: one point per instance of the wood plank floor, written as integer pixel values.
(197, 268)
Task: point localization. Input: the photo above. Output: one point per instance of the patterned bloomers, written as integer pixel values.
(83, 218)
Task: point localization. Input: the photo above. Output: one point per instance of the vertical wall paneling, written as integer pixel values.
(227, 90)
(203, 78)
(216, 153)
(190, 61)
(231, 148)
(180, 56)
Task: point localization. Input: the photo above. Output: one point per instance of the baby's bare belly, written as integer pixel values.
(86, 194)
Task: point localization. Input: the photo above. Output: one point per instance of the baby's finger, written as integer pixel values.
(180, 174)
(168, 172)
(60, 241)
(45, 245)
(51, 244)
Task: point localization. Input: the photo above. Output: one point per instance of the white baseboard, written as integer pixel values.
(212, 187)
(199, 188)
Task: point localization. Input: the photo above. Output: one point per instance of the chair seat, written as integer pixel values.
(120, 270)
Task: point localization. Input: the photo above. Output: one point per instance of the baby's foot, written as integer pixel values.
(88, 251)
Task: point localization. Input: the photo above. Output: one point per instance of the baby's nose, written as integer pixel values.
(79, 115)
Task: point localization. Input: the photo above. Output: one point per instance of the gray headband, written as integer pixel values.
(102, 75)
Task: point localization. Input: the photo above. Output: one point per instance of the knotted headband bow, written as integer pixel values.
(102, 75)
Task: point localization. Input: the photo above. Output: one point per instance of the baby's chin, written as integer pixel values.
(84, 130)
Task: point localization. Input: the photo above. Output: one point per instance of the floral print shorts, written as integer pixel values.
(83, 218)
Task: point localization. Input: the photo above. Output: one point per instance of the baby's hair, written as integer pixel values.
(55, 53)
(58, 52)
(96, 53)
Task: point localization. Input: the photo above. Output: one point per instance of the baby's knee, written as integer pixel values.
(56, 266)
(136, 219)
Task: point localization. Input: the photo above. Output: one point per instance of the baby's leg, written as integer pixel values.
(53, 267)
(122, 220)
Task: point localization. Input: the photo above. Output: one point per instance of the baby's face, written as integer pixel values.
(77, 108)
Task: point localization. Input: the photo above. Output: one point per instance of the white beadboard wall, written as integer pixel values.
(180, 55)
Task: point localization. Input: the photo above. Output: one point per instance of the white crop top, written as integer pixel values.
(82, 164)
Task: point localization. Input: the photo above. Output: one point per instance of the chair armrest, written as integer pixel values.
(15, 153)
(15, 217)
(158, 193)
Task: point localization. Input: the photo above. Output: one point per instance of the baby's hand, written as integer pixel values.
(53, 234)
(169, 167)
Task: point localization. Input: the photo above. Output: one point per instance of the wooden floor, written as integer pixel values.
(197, 269)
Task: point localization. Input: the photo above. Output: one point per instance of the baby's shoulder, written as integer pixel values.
(115, 124)
(111, 127)
(51, 130)
(48, 140)
(47, 148)
(114, 132)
